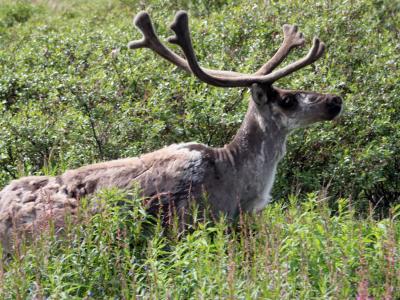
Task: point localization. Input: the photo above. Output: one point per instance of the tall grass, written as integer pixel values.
(299, 251)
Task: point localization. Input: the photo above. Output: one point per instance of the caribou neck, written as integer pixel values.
(251, 160)
(257, 140)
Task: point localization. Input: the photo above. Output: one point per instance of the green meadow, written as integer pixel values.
(72, 93)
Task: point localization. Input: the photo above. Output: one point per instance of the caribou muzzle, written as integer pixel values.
(334, 105)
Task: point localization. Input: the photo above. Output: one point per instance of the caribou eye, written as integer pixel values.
(288, 101)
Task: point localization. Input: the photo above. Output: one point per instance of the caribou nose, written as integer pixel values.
(334, 105)
(336, 100)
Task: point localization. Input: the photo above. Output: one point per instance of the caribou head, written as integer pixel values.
(235, 177)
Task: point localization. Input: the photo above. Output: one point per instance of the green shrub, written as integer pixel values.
(16, 12)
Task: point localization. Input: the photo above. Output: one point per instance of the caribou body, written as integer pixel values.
(238, 176)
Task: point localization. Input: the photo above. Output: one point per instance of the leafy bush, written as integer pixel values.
(16, 12)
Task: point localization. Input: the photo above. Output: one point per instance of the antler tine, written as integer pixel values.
(182, 38)
(292, 38)
(315, 53)
(150, 40)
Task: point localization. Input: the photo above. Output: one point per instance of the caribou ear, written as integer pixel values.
(259, 93)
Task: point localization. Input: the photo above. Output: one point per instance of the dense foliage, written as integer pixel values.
(299, 251)
(71, 93)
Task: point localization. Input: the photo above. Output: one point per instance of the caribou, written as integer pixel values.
(233, 178)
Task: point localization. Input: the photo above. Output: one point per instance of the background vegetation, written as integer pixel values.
(66, 101)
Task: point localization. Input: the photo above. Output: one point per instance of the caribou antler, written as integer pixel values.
(151, 41)
(292, 38)
(223, 78)
(182, 38)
